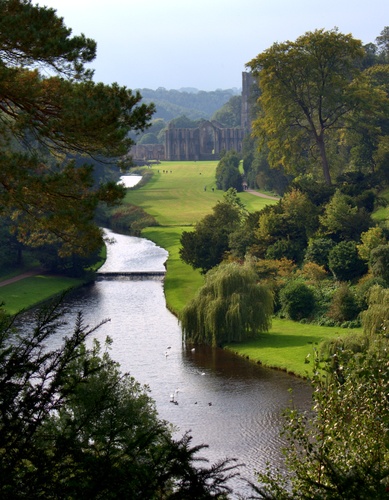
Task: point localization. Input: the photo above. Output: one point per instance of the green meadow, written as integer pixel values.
(178, 195)
(31, 291)
(288, 346)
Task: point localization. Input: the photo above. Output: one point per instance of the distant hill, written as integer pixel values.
(193, 103)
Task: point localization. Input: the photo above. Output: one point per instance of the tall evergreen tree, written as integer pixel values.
(44, 119)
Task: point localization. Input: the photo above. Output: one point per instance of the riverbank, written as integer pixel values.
(178, 195)
(288, 346)
(32, 290)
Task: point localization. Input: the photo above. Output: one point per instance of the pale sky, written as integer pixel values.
(203, 43)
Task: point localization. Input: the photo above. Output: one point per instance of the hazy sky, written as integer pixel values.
(203, 43)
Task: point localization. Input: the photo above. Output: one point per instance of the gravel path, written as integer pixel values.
(262, 195)
(20, 277)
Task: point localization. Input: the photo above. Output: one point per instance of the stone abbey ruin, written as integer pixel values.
(205, 142)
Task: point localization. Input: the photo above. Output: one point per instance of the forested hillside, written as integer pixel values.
(193, 103)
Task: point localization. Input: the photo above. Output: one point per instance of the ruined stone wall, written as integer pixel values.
(248, 95)
(205, 142)
(148, 152)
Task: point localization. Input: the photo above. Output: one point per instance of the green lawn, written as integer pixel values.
(289, 346)
(31, 291)
(177, 197)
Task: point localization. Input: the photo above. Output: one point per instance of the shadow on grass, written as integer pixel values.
(279, 340)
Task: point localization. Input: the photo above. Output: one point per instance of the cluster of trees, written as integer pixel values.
(323, 109)
(322, 127)
(192, 103)
(318, 254)
(228, 175)
(318, 249)
(230, 115)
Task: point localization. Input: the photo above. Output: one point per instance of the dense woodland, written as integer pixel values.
(320, 140)
(71, 424)
(320, 248)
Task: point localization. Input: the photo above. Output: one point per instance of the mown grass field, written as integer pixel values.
(34, 290)
(175, 196)
(288, 346)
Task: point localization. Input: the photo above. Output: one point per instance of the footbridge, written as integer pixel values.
(134, 274)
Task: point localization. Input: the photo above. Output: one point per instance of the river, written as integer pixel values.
(224, 401)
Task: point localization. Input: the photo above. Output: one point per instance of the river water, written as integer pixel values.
(224, 401)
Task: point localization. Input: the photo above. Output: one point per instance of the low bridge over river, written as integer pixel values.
(135, 274)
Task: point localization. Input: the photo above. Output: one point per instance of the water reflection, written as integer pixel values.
(130, 181)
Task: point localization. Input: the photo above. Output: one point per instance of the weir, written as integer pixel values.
(140, 274)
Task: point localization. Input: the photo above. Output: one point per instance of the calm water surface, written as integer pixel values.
(226, 402)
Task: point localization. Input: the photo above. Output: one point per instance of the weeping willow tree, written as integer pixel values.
(231, 306)
(376, 318)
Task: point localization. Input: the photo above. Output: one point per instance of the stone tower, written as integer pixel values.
(248, 96)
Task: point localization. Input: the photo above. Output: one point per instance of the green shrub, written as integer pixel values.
(285, 248)
(345, 263)
(363, 289)
(379, 262)
(344, 305)
(297, 300)
(130, 219)
(318, 251)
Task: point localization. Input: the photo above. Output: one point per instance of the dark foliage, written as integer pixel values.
(297, 300)
(345, 263)
(73, 426)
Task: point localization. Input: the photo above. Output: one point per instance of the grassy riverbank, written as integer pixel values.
(288, 346)
(178, 195)
(33, 290)
(37, 288)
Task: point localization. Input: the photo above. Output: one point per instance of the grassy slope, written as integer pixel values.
(177, 198)
(31, 291)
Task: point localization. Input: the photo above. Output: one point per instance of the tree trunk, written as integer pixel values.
(324, 160)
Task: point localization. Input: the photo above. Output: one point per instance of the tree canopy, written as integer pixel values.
(227, 171)
(309, 89)
(231, 306)
(50, 111)
(206, 246)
